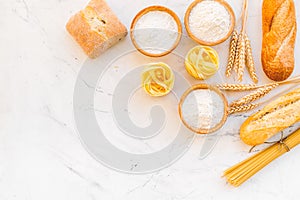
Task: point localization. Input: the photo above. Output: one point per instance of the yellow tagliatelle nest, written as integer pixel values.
(202, 62)
(157, 79)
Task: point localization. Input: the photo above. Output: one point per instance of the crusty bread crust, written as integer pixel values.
(279, 35)
(275, 117)
(96, 28)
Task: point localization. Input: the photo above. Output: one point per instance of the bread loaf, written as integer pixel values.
(275, 117)
(279, 34)
(96, 28)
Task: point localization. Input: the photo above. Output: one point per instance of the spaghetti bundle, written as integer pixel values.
(241, 172)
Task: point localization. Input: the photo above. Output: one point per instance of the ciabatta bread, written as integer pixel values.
(96, 28)
(275, 117)
(279, 34)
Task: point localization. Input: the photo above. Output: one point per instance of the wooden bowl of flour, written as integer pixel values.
(221, 117)
(149, 18)
(209, 22)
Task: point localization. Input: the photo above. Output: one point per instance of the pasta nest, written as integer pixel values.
(202, 62)
(157, 79)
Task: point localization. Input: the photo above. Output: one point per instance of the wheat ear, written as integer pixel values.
(243, 108)
(249, 60)
(259, 93)
(232, 54)
(236, 87)
(237, 55)
(241, 57)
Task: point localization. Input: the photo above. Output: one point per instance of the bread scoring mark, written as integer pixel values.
(285, 43)
(278, 41)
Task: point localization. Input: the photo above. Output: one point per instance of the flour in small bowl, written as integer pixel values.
(209, 21)
(203, 109)
(156, 32)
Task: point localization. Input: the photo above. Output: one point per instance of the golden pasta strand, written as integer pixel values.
(249, 60)
(241, 172)
(233, 47)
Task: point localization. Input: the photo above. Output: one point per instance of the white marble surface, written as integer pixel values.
(41, 156)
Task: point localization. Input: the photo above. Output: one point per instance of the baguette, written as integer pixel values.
(96, 28)
(279, 34)
(273, 118)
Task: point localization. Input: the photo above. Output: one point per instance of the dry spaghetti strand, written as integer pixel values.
(241, 172)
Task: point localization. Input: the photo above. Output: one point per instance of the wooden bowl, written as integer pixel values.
(150, 9)
(208, 87)
(187, 25)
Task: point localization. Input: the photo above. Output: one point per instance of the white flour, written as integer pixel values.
(156, 32)
(203, 109)
(209, 21)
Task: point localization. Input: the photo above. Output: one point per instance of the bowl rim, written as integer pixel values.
(150, 9)
(216, 90)
(231, 28)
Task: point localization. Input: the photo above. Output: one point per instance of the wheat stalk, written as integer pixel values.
(232, 54)
(259, 93)
(249, 60)
(237, 87)
(243, 108)
(237, 55)
(241, 57)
